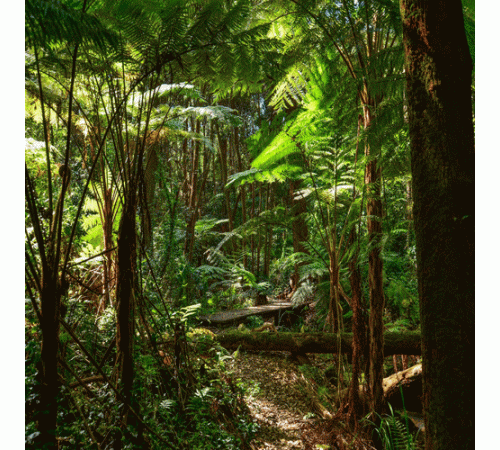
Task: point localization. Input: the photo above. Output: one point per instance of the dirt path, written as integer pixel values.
(276, 398)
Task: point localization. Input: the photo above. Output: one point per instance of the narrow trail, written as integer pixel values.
(277, 400)
(282, 395)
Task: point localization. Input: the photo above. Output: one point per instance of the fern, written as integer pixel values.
(53, 22)
(394, 434)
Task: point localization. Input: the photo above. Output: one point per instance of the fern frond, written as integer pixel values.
(56, 21)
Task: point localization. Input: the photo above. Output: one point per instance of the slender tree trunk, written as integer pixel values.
(149, 193)
(243, 195)
(300, 232)
(332, 319)
(259, 240)
(269, 235)
(358, 334)
(193, 198)
(409, 215)
(107, 228)
(374, 211)
(223, 153)
(358, 324)
(252, 237)
(438, 74)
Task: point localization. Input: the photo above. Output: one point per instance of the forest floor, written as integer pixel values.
(280, 402)
(275, 400)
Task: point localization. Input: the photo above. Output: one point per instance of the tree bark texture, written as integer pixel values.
(125, 300)
(438, 74)
(394, 343)
(49, 380)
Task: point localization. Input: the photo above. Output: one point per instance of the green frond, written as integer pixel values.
(57, 21)
(221, 113)
(281, 147)
(240, 178)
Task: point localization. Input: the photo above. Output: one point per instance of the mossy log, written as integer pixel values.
(401, 343)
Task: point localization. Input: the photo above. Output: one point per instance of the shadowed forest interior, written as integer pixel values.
(249, 224)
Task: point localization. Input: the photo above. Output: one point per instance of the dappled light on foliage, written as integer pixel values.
(220, 243)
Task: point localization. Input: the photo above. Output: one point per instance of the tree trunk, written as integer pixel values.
(51, 290)
(333, 317)
(125, 304)
(193, 198)
(300, 233)
(243, 196)
(358, 333)
(373, 177)
(152, 161)
(107, 232)
(438, 74)
(49, 379)
(395, 343)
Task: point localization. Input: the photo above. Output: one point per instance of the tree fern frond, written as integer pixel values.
(56, 21)
(281, 147)
(222, 113)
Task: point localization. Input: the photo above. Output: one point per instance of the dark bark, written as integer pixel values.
(51, 287)
(438, 74)
(49, 379)
(125, 305)
(395, 343)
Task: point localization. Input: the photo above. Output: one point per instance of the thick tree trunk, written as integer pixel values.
(125, 304)
(49, 380)
(438, 73)
(395, 343)
(50, 298)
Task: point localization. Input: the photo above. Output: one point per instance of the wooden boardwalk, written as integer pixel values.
(239, 315)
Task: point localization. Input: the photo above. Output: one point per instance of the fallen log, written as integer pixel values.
(395, 343)
(409, 381)
(279, 311)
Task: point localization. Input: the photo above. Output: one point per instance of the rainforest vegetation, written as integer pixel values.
(185, 160)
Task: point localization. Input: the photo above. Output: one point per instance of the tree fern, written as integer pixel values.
(62, 21)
